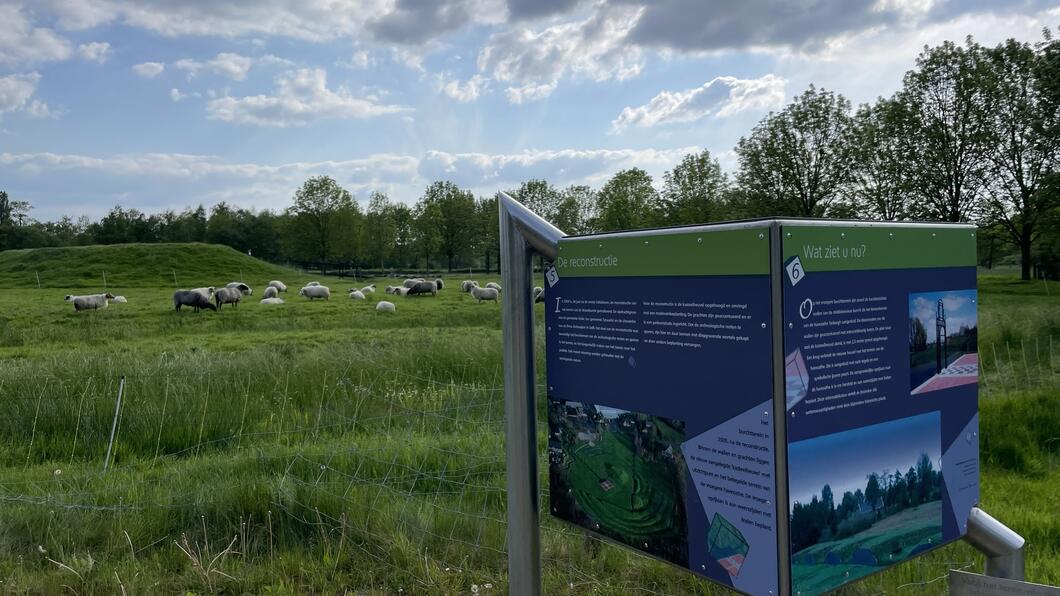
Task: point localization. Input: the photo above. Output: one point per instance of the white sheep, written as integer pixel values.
(467, 284)
(481, 294)
(206, 292)
(369, 289)
(356, 295)
(408, 283)
(242, 287)
(229, 296)
(271, 292)
(495, 286)
(313, 283)
(279, 285)
(317, 291)
(89, 302)
(273, 300)
(384, 306)
(121, 300)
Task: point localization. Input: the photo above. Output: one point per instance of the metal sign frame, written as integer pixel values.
(523, 234)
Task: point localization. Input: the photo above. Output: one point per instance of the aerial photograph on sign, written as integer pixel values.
(863, 499)
(620, 474)
(943, 337)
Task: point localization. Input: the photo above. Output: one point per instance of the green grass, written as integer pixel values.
(339, 448)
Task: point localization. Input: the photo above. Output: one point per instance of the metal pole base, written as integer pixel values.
(1002, 546)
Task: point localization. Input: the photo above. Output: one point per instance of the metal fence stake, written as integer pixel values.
(114, 425)
(521, 234)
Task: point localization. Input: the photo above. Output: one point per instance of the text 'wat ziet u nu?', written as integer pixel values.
(775, 405)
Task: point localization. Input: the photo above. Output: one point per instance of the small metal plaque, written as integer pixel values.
(963, 583)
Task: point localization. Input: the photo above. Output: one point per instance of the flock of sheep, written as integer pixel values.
(212, 298)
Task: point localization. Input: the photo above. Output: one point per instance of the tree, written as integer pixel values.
(946, 97)
(1023, 141)
(917, 335)
(694, 191)
(872, 490)
(627, 201)
(445, 221)
(315, 212)
(881, 171)
(540, 197)
(796, 162)
(382, 229)
(577, 210)
(487, 236)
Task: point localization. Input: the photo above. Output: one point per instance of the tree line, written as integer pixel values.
(973, 134)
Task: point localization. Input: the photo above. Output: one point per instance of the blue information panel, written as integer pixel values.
(660, 398)
(881, 370)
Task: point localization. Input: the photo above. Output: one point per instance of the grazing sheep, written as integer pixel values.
(390, 290)
(539, 294)
(408, 283)
(313, 283)
(279, 285)
(89, 302)
(193, 298)
(467, 284)
(481, 294)
(121, 300)
(369, 289)
(423, 287)
(207, 292)
(242, 287)
(273, 300)
(317, 291)
(384, 306)
(438, 282)
(495, 286)
(227, 296)
(356, 295)
(271, 292)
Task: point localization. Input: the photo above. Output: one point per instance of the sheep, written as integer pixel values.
(408, 283)
(89, 302)
(313, 283)
(467, 284)
(495, 286)
(539, 294)
(271, 292)
(193, 298)
(384, 306)
(317, 291)
(242, 287)
(369, 289)
(481, 294)
(390, 290)
(207, 292)
(423, 287)
(279, 285)
(356, 295)
(438, 282)
(227, 296)
(272, 300)
(121, 300)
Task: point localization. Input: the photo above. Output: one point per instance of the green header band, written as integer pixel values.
(853, 248)
(666, 253)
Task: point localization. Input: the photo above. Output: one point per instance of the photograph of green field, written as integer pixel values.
(884, 514)
(620, 474)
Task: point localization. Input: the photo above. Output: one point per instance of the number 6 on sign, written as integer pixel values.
(795, 271)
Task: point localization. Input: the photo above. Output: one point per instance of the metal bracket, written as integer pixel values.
(521, 234)
(1002, 546)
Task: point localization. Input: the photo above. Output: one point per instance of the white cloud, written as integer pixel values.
(16, 95)
(23, 44)
(177, 95)
(463, 92)
(721, 97)
(149, 70)
(360, 60)
(96, 51)
(229, 64)
(533, 62)
(301, 96)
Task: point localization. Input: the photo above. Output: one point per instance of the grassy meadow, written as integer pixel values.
(323, 447)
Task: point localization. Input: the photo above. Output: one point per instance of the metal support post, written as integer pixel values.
(521, 234)
(1003, 547)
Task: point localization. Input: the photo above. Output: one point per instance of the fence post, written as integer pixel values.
(521, 234)
(114, 425)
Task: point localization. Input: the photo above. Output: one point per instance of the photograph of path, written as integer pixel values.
(943, 337)
(864, 499)
(620, 474)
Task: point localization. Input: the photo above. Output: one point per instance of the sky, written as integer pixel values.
(156, 104)
(959, 305)
(844, 460)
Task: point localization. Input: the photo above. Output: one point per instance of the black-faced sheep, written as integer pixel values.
(316, 291)
(438, 282)
(89, 302)
(481, 294)
(242, 287)
(193, 298)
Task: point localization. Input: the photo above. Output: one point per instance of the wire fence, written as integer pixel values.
(388, 472)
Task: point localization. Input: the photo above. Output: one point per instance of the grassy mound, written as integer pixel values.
(128, 265)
